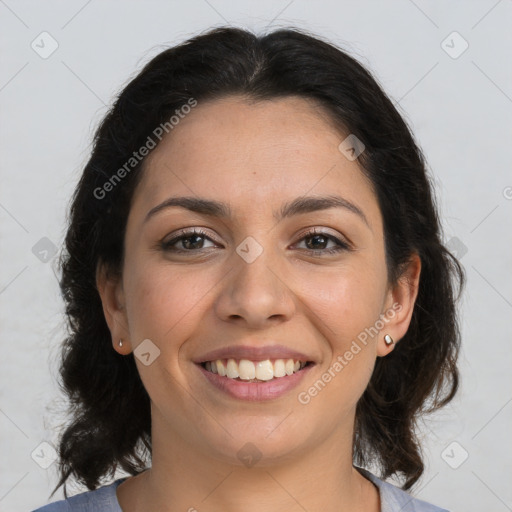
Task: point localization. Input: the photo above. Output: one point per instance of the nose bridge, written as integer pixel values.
(255, 289)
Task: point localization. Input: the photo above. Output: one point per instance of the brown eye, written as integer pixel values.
(316, 242)
(191, 241)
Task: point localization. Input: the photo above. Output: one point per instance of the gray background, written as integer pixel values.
(459, 106)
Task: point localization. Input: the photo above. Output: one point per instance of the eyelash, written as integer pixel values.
(342, 246)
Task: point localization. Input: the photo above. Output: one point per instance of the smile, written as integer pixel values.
(254, 371)
(254, 381)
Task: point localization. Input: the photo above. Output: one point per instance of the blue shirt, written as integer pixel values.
(104, 499)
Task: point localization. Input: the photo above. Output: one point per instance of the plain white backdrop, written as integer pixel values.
(455, 91)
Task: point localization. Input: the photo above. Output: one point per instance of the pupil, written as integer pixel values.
(317, 236)
(198, 238)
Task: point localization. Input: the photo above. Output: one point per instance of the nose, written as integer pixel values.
(256, 294)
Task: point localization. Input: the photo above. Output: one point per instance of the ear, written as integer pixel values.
(399, 305)
(110, 288)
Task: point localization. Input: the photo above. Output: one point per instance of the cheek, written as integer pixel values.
(346, 306)
(164, 305)
(346, 301)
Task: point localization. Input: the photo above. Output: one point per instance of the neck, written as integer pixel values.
(183, 478)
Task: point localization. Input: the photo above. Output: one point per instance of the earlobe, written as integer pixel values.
(110, 289)
(400, 306)
(385, 345)
(388, 340)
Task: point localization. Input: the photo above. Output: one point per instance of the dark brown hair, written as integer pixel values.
(110, 423)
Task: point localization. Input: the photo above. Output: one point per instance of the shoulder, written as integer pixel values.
(103, 499)
(394, 499)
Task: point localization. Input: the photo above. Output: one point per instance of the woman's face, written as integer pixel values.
(256, 282)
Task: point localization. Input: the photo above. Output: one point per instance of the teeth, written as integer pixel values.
(221, 369)
(264, 370)
(246, 369)
(279, 368)
(258, 370)
(232, 371)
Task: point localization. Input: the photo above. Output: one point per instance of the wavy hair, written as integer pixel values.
(110, 424)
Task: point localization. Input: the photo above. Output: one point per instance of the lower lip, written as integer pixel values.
(256, 391)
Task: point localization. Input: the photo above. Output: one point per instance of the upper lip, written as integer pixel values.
(259, 353)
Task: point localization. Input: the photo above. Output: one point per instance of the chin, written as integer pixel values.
(254, 442)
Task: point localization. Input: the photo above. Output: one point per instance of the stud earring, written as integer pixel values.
(121, 343)
(388, 340)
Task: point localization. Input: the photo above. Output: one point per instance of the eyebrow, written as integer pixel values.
(298, 206)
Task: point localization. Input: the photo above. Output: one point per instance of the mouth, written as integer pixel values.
(249, 380)
(246, 370)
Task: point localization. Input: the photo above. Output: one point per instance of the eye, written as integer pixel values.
(316, 240)
(191, 241)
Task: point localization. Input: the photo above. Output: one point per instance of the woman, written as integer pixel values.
(259, 300)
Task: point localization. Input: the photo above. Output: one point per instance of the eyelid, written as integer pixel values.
(341, 241)
(190, 231)
(319, 230)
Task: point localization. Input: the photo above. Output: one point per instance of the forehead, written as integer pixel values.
(253, 154)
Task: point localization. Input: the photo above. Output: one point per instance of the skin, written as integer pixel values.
(255, 156)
